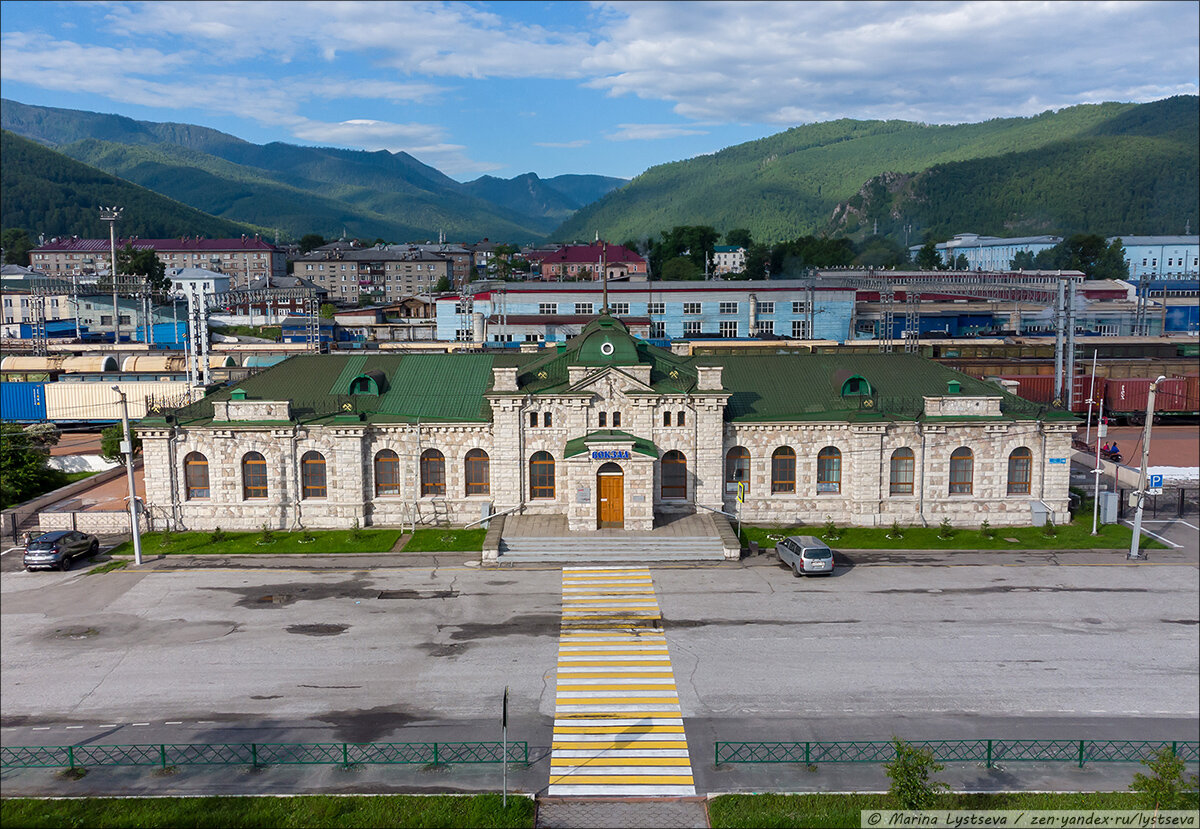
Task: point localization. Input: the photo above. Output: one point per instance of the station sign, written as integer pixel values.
(610, 455)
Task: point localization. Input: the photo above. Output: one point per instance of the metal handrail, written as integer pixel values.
(721, 511)
(494, 515)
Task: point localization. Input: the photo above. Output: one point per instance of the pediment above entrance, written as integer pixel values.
(610, 381)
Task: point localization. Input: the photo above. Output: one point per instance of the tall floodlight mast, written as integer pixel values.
(112, 215)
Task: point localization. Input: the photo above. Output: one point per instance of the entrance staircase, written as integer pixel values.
(542, 539)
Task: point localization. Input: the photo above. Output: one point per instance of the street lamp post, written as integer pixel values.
(111, 215)
(1142, 481)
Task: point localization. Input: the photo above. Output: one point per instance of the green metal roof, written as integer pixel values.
(577, 446)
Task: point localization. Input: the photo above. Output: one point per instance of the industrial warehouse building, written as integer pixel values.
(610, 432)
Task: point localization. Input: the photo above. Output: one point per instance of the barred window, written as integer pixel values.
(312, 476)
(783, 470)
(477, 473)
(1020, 471)
(433, 473)
(962, 471)
(387, 473)
(674, 475)
(829, 470)
(195, 476)
(254, 475)
(902, 473)
(541, 475)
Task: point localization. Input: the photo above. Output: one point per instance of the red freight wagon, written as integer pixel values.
(1040, 389)
(1129, 396)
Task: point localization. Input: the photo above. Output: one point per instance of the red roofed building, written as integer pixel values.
(587, 262)
(242, 260)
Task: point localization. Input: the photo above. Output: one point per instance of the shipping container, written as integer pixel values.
(74, 401)
(1130, 396)
(24, 402)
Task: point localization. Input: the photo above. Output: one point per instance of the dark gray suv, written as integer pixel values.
(56, 550)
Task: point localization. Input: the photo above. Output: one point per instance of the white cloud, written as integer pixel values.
(648, 132)
(570, 145)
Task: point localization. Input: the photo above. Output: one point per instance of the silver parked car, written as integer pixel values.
(56, 550)
(805, 554)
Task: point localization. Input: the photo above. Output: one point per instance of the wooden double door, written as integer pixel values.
(610, 484)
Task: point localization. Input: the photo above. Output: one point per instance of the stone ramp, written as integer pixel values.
(590, 813)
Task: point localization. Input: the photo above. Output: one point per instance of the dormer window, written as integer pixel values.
(372, 382)
(856, 386)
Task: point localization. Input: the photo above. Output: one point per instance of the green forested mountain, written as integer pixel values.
(789, 184)
(45, 192)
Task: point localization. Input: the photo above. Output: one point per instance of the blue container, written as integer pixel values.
(25, 402)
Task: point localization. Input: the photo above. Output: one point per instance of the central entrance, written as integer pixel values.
(610, 483)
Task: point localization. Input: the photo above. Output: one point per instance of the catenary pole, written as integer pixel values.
(1091, 395)
(127, 448)
(1096, 471)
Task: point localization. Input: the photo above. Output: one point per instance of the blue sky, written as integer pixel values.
(571, 87)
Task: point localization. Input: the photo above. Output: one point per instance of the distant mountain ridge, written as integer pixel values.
(999, 177)
(302, 189)
(45, 192)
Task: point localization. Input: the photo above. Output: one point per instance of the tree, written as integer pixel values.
(911, 787)
(961, 263)
(16, 244)
(145, 263)
(311, 241)
(928, 258)
(1088, 253)
(326, 310)
(1164, 787)
(881, 252)
(1022, 261)
(442, 286)
(680, 268)
(110, 443)
(43, 436)
(739, 237)
(23, 468)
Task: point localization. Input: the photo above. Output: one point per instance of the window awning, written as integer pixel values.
(579, 446)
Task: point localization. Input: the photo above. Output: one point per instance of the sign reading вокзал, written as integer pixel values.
(1019, 819)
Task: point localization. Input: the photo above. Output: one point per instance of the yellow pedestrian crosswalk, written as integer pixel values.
(618, 727)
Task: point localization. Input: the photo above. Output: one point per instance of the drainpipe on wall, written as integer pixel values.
(174, 481)
(921, 491)
(296, 522)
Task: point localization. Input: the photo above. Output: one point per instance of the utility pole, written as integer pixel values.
(127, 448)
(1142, 481)
(1101, 431)
(1091, 394)
(111, 215)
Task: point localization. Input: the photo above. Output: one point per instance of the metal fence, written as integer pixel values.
(260, 754)
(989, 752)
(1175, 502)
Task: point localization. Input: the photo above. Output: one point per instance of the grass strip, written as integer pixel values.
(109, 567)
(437, 540)
(323, 542)
(838, 810)
(316, 811)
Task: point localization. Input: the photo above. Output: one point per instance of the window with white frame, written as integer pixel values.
(691, 307)
(656, 308)
(547, 308)
(691, 329)
(729, 307)
(800, 329)
(799, 307)
(619, 308)
(583, 308)
(462, 335)
(729, 328)
(766, 307)
(658, 330)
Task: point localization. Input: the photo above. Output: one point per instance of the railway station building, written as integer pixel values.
(610, 432)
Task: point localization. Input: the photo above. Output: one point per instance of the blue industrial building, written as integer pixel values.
(1161, 257)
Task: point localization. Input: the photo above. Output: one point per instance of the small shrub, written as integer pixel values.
(356, 532)
(911, 787)
(1164, 787)
(216, 536)
(945, 530)
(831, 532)
(896, 532)
(166, 536)
(266, 535)
(306, 536)
(987, 529)
(1049, 530)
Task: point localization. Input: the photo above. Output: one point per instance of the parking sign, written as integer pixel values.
(1155, 488)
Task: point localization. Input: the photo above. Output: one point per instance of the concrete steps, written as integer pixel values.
(599, 548)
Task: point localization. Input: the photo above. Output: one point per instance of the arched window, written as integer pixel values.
(387, 473)
(674, 475)
(254, 475)
(737, 469)
(962, 471)
(433, 473)
(783, 470)
(1020, 471)
(829, 470)
(195, 476)
(903, 467)
(312, 475)
(477, 474)
(541, 475)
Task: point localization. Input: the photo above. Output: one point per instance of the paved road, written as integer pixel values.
(1043, 645)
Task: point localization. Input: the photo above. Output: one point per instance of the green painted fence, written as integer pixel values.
(259, 754)
(989, 752)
